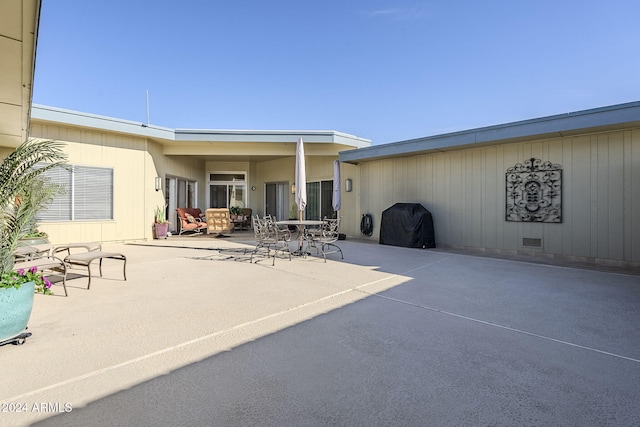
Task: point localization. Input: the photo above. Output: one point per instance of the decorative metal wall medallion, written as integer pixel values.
(534, 192)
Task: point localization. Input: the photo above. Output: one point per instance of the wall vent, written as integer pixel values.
(531, 243)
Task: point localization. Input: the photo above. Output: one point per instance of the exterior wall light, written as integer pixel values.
(348, 185)
(158, 183)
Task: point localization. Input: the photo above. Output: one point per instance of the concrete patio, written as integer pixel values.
(199, 336)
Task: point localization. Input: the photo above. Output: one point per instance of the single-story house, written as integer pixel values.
(123, 170)
(560, 186)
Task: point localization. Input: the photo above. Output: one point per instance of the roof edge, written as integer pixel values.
(559, 125)
(94, 121)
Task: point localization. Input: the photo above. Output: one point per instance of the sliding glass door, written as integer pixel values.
(227, 189)
(179, 193)
(319, 200)
(277, 200)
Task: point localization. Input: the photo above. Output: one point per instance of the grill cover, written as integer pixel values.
(409, 225)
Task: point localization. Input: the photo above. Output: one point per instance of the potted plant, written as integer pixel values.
(235, 211)
(160, 223)
(17, 289)
(35, 237)
(21, 182)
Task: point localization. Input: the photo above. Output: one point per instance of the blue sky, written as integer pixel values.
(383, 70)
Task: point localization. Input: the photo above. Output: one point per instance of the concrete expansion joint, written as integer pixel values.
(497, 325)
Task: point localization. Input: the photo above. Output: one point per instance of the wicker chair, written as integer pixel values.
(218, 221)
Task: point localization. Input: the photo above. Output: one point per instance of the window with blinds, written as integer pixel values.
(88, 194)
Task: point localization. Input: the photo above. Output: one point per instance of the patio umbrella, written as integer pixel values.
(336, 187)
(301, 179)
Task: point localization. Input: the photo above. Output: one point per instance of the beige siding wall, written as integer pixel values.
(465, 192)
(283, 170)
(135, 162)
(463, 189)
(5, 151)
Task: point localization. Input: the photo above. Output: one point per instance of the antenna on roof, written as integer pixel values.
(147, 107)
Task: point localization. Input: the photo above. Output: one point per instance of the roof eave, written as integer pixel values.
(93, 121)
(594, 120)
(286, 136)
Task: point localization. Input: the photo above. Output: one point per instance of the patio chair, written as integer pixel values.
(76, 247)
(84, 259)
(83, 254)
(268, 238)
(219, 221)
(247, 213)
(283, 230)
(190, 219)
(326, 238)
(29, 252)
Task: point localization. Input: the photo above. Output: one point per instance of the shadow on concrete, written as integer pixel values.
(466, 341)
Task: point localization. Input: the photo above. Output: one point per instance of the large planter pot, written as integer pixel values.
(33, 241)
(161, 230)
(15, 309)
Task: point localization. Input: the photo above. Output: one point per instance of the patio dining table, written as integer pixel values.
(300, 225)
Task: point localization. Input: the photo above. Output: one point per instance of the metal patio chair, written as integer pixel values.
(324, 239)
(269, 238)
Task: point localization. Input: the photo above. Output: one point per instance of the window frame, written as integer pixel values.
(78, 195)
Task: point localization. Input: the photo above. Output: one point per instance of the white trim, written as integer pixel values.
(94, 121)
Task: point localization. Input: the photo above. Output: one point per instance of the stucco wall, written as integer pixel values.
(465, 192)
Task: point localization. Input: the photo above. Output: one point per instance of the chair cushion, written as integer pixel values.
(194, 212)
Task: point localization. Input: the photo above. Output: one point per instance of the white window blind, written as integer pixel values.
(60, 208)
(88, 194)
(93, 195)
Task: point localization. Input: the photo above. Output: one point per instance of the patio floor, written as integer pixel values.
(198, 335)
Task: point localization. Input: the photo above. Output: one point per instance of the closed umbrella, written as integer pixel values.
(336, 187)
(301, 179)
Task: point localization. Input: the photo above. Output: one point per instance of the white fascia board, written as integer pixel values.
(75, 118)
(598, 119)
(94, 121)
(267, 136)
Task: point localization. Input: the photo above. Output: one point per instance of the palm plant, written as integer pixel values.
(23, 191)
(41, 192)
